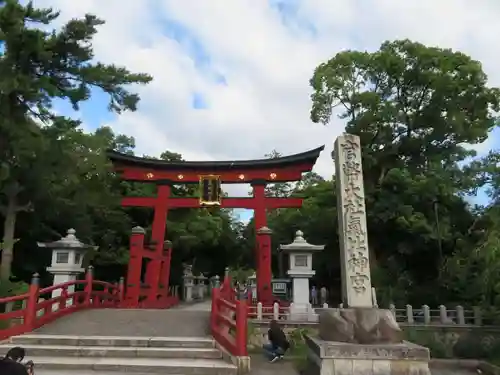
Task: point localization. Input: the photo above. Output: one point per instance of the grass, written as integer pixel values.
(298, 348)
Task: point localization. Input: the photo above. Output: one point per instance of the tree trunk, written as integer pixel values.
(8, 237)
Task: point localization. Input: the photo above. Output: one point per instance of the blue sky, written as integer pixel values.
(231, 78)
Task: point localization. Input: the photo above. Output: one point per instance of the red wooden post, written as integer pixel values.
(63, 298)
(215, 309)
(262, 244)
(121, 291)
(264, 273)
(241, 328)
(226, 283)
(89, 281)
(158, 233)
(260, 220)
(165, 268)
(31, 305)
(133, 289)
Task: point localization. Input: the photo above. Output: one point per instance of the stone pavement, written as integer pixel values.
(184, 321)
(200, 306)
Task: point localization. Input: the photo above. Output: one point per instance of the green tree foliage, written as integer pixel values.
(414, 108)
(37, 67)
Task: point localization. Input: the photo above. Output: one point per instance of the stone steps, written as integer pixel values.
(116, 352)
(169, 366)
(115, 341)
(140, 355)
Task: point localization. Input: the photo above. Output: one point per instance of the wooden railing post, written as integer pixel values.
(409, 314)
(89, 281)
(215, 308)
(63, 298)
(427, 314)
(259, 311)
(477, 316)
(460, 315)
(276, 311)
(241, 328)
(443, 314)
(33, 293)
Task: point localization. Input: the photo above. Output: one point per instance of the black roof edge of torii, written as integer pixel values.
(125, 160)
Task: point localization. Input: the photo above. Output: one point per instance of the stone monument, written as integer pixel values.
(300, 255)
(354, 257)
(361, 338)
(67, 260)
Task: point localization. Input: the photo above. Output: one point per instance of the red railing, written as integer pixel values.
(31, 310)
(164, 300)
(228, 320)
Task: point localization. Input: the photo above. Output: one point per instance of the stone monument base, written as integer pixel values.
(339, 358)
(301, 313)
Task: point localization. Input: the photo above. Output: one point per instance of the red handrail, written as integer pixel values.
(228, 320)
(34, 312)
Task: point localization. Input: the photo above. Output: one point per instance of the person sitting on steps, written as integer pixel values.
(11, 363)
(278, 344)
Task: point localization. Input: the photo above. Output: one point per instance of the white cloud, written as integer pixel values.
(267, 65)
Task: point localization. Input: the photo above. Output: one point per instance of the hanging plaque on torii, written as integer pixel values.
(210, 191)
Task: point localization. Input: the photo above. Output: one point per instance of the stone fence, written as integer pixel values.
(408, 315)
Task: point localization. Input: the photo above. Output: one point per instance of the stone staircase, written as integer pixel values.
(159, 355)
(115, 341)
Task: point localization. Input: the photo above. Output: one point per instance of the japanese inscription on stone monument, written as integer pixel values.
(356, 280)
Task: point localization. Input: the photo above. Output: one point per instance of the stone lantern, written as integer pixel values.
(202, 287)
(252, 283)
(300, 270)
(188, 283)
(67, 259)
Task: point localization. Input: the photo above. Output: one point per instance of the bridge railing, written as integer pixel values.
(26, 312)
(228, 320)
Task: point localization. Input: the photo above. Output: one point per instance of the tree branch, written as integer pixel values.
(28, 207)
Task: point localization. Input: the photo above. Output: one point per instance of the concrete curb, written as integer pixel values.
(488, 368)
(469, 364)
(442, 363)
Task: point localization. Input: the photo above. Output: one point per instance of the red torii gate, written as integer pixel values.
(164, 174)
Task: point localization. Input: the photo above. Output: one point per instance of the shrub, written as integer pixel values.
(437, 348)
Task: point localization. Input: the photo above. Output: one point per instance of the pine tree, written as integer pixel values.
(36, 67)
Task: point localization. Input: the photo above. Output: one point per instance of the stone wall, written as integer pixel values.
(444, 341)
